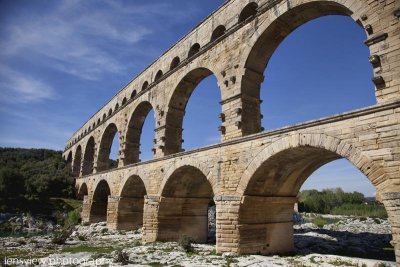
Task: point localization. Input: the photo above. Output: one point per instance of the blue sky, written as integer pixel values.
(60, 61)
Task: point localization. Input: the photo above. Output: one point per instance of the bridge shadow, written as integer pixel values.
(344, 243)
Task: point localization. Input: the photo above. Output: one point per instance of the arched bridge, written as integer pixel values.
(253, 176)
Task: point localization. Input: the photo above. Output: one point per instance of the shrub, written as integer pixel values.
(319, 221)
(74, 218)
(81, 237)
(60, 237)
(186, 243)
(121, 257)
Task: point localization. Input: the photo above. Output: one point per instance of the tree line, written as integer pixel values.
(336, 201)
(30, 177)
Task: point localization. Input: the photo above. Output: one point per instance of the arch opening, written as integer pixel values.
(134, 135)
(194, 49)
(322, 36)
(186, 199)
(198, 124)
(133, 94)
(110, 136)
(124, 101)
(76, 169)
(267, 209)
(250, 10)
(131, 204)
(218, 32)
(82, 192)
(175, 63)
(69, 160)
(145, 85)
(158, 76)
(98, 209)
(88, 158)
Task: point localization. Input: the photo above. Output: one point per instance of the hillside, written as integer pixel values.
(30, 177)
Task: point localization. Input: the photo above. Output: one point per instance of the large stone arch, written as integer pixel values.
(130, 204)
(176, 106)
(271, 32)
(183, 209)
(179, 163)
(133, 132)
(104, 150)
(77, 162)
(341, 148)
(82, 191)
(69, 161)
(272, 180)
(88, 157)
(99, 203)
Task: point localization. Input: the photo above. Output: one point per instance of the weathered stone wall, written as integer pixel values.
(250, 170)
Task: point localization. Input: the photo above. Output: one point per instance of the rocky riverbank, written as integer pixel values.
(342, 241)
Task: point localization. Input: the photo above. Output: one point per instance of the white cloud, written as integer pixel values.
(22, 88)
(75, 38)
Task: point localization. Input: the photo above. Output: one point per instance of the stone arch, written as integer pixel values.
(116, 107)
(124, 101)
(261, 47)
(185, 199)
(134, 93)
(131, 203)
(192, 162)
(69, 160)
(158, 76)
(175, 63)
(272, 180)
(250, 10)
(133, 132)
(103, 158)
(76, 168)
(98, 208)
(82, 191)
(333, 147)
(104, 117)
(177, 105)
(145, 85)
(218, 32)
(110, 112)
(194, 49)
(88, 157)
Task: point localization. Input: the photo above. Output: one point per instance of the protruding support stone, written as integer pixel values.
(391, 200)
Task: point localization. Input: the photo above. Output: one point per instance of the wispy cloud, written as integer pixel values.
(22, 88)
(74, 40)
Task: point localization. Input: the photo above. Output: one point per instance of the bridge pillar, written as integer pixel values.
(125, 213)
(150, 220)
(183, 216)
(391, 200)
(227, 223)
(241, 113)
(85, 214)
(266, 225)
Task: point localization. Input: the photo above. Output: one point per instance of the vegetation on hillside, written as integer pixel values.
(30, 177)
(336, 201)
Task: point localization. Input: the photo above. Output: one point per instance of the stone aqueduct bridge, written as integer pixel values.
(253, 176)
